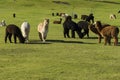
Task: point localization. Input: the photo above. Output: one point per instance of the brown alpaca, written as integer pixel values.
(83, 17)
(108, 32)
(95, 31)
(58, 22)
(15, 31)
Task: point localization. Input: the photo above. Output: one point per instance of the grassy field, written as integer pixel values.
(59, 58)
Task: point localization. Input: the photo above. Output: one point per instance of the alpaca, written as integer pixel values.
(2, 23)
(84, 25)
(95, 31)
(75, 16)
(119, 11)
(112, 16)
(25, 28)
(15, 31)
(14, 15)
(53, 14)
(43, 30)
(58, 22)
(83, 17)
(108, 32)
(64, 15)
(71, 25)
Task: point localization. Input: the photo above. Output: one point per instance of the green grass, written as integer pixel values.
(59, 58)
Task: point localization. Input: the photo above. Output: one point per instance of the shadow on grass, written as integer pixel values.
(90, 38)
(109, 2)
(57, 41)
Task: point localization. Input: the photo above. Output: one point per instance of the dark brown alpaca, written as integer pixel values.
(15, 31)
(58, 22)
(95, 31)
(108, 32)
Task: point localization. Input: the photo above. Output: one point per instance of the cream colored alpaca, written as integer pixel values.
(43, 29)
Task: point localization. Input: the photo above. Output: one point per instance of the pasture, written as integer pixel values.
(58, 58)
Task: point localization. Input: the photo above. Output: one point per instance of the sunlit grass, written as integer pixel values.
(59, 58)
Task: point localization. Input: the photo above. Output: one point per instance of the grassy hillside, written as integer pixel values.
(59, 58)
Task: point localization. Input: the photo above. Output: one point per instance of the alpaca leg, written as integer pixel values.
(15, 38)
(87, 33)
(115, 41)
(43, 37)
(40, 36)
(73, 33)
(109, 41)
(27, 37)
(65, 32)
(6, 37)
(99, 38)
(105, 38)
(10, 35)
(68, 34)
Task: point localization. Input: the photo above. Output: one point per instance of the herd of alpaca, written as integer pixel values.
(57, 22)
(102, 30)
(81, 28)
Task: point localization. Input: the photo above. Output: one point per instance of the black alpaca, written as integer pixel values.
(15, 31)
(83, 25)
(71, 25)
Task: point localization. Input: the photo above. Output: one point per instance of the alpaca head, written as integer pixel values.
(21, 38)
(68, 18)
(46, 21)
(91, 14)
(98, 24)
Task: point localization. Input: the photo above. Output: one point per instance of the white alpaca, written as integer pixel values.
(25, 28)
(2, 23)
(43, 29)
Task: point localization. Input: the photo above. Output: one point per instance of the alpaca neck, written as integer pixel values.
(99, 27)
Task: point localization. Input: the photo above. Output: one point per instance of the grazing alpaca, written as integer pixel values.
(112, 16)
(71, 25)
(83, 25)
(58, 22)
(95, 31)
(43, 29)
(15, 31)
(108, 32)
(25, 28)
